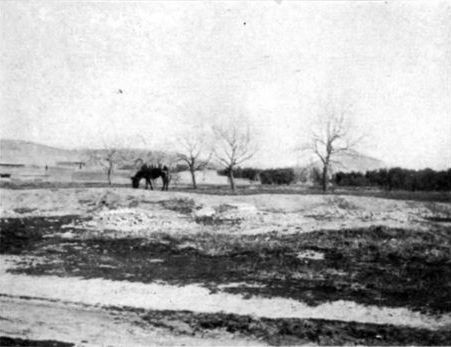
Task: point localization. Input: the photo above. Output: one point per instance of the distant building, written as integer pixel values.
(11, 165)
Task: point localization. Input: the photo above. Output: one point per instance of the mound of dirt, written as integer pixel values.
(229, 214)
(133, 222)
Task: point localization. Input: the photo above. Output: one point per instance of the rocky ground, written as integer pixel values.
(172, 268)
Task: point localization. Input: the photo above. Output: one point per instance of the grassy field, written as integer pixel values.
(245, 190)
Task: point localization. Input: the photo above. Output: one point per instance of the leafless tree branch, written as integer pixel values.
(332, 137)
(234, 147)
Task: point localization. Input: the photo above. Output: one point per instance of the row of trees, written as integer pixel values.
(332, 136)
(397, 178)
(233, 144)
(388, 179)
(229, 145)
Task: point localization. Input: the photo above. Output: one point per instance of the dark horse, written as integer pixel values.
(150, 173)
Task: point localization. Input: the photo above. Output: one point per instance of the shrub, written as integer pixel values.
(246, 173)
(180, 167)
(351, 179)
(277, 176)
(316, 176)
(302, 174)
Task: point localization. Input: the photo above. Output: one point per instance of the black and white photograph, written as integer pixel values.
(225, 173)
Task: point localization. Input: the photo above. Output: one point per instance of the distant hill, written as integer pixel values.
(358, 162)
(30, 153)
(347, 163)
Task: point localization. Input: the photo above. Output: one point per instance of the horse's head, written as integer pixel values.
(135, 181)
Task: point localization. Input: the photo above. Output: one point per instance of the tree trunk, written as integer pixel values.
(324, 177)
(193, 177)
(232, 182)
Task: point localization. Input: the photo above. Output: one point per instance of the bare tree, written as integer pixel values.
(110, 157)
(234, 146)
(193, 155)
(332, 137)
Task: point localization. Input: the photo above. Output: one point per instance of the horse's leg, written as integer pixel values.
(163, 179)
(150, 182)
(165, 183)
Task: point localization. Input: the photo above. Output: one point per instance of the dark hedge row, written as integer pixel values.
(277, 176)
(270, 176)
(397, 178)
(246, 173)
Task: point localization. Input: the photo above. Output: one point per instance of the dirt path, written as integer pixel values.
(162, 296)
(91, 326)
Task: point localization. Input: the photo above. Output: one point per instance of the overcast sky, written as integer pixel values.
(79, 74)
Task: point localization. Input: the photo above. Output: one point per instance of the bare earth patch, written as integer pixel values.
(253, 213)
(184, 268)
